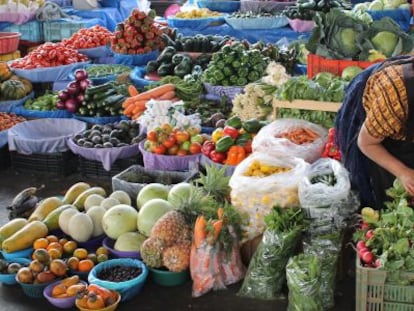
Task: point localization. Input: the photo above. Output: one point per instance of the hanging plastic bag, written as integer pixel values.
(261, 182)
(291, 137)
(303, 279)
(231, 266)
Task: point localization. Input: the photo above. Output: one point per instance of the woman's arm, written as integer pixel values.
(372, 147)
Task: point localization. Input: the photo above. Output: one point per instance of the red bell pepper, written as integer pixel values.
(231, 131)
(218, 157)
(207, 148)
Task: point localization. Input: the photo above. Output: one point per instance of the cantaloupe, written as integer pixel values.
(119, 219)
(96, 214)
(80, 227)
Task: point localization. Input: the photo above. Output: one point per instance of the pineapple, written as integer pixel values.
(151, 252)
(215, 182)
(176, 258)
(171, 228)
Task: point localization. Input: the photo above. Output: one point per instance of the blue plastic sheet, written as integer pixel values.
(60, 85)
(266, 35)
(300, 69)
(100, 51)
(219, 6)
(257, 23)
(109, 3)
(126, 7)
(137, 77)
(98, 120)
(3, 138)
(9, 105)
(195, 23)
(37, 114)
(95, 81)
(401, 16)
(109, 16)
(135, 60)
(49, 74)
(104, 60)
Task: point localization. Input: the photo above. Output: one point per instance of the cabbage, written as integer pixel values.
(361, 6)
(350, 72)
(324, 78)
(376, 5)
(393, 4)
(385, 42)
(375, 55)
(405, 6)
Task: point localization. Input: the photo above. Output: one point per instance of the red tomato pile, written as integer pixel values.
(49, 55)
(89, 38)
(172, 141)
(9, 120)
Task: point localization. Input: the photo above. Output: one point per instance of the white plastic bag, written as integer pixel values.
(321, 199)
(267, 140)
(256, 196)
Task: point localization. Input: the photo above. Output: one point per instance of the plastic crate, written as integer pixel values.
(373, 293)
(90, 168)
(9, 42)
(4, 157)
(31, 31)
(317, 64)
(63, 29)
(9, 56)
(61, 164)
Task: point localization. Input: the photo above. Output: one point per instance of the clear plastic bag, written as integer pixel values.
(266, 140)
(256, 196)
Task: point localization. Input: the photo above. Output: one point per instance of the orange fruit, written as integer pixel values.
(85, 265)
(52, 238)
(55, 245)
(42, 255)
(73, 263)
(40, 243)
(69, 247)
(36, 266)
(102, 257)
(93, 257)
(58, 267)
(54, 253)
(81, 253)
(62, 241)
(102, 250)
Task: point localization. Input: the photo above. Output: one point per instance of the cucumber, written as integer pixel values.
(99, 88)
(113, 99)
(102, 95)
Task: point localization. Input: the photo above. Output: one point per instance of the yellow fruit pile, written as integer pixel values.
(197, 13)
(258, 169)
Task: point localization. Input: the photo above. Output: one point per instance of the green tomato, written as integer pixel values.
(197, 139)
(186, 145)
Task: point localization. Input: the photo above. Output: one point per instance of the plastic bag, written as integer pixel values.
(303, 280)
(320, 194)
(266, 272)
(256, 196)
(266, 140)
(231, 266)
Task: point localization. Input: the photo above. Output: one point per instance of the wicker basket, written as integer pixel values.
(9, 42)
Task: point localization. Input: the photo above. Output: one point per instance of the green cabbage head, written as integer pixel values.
(350, 72)
(385, 42)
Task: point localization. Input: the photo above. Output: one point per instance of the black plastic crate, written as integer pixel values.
(90, 168)
(4, 157)
(62, 163)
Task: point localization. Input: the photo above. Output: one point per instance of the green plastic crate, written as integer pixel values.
(62, 29)
(31, 31)
(373, 293)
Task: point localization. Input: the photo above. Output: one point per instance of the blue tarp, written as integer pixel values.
(3, 138)
(109, 16)
(268, 35)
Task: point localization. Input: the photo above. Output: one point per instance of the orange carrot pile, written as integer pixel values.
(300, 136)
(135, 105)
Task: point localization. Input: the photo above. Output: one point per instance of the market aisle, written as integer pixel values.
(153, 297)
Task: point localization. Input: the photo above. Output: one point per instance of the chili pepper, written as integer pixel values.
(231, 131)
(218, 157)
(207, 148)
(235, 155)
(217, 134)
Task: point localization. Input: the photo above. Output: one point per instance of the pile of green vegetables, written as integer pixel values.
(306, 10)
(339, 35)
(198, 43)
(210, 111)
(235, 65)
(251, 14)
(46, 102)
(171, 62)
(185, 89)
(103, 70)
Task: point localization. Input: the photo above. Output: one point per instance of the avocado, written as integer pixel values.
(97, 127)
(114, 141)
(77, 137)
(107, 129)
(81, 141)
(107, 145)
(87, 133)
(94, 133)
(132, 133)
(13, 267)
(88, 144)
(124, 125)
(97, 139)
(3, 265)
(105, 138)
(98, 146)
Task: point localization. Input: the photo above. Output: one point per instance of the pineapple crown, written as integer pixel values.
(215, 182)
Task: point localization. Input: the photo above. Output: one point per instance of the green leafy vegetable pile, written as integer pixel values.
(305, 9)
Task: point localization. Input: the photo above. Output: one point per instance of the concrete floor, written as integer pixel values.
(153, 297)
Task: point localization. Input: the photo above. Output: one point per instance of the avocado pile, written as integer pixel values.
(109, 135)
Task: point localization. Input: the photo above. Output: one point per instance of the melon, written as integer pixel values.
(65, 217)
(96, 214)
(119, 219)
(109, 202)
(179, 192)
(152, 191)
(80, 227)
(129, 242)
(93, 200)
(121, 196)
(150, 213)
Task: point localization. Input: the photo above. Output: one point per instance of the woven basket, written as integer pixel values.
(9, 42)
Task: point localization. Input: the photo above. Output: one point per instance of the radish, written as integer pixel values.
(362, 251)
(364, 225)
(369, 234)
(360, 245)
(367, 257)
(378, 263)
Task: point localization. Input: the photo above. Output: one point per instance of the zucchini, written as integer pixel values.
(99, 88)
(111, 100)
(102, 95)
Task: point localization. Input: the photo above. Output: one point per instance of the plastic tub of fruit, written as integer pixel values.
(93, 243)
(109, 244)
(111, 307)
(33, 290)
(168, 278)
(62, 303)
(24, 253)
(128, 288)
(10, 278)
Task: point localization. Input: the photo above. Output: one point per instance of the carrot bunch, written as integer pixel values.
(300, 136)
(135, 105)
(201, 226)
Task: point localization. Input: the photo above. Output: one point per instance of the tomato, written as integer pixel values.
(152, 136)
(173, 150)
(195, 148)
(166, 128)
(169, 141)
(182, 136)
(367, 257)
(159, 149)
(182, 152)
(197, 139)
(186, 145)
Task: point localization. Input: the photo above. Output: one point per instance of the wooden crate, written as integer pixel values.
(306, 105)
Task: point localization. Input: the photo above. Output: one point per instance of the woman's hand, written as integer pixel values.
(407, 180)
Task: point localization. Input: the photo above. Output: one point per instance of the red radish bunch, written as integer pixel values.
(87, 38)
(74, 94)
(49, 55)
(138, 34)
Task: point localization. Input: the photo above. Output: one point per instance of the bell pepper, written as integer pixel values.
(243, 139)
(217, 134)
(218, 157)
(248, 146)
(224, 144)
(252, 126)
(235, 155)
(207, 148)
(231, 131)
(235, 122)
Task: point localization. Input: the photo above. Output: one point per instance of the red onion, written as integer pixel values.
(72, 88)
(81, 74)
(63, 95)
(60, 105)
(71, 105)
(84, 84)
(80, 98)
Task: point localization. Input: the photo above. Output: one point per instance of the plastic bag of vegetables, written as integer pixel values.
(303, 278)
(262, 181)
(265, 275)
(291, 138)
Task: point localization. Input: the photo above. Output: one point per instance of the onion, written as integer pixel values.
(80, 98)
(72, 88)
(60, 104)
(63, 95)
(81, 74)
(71, 105)
(84, 84)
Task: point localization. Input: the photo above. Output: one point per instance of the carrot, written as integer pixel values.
(128, 111)
(136, 115)
(220, 212)
(141, 104)
(132, 90)
(127, 102)
(175, 99)
(167, 96)
(137, 109)
(217, 225)
(155, 92)
(199, 231)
